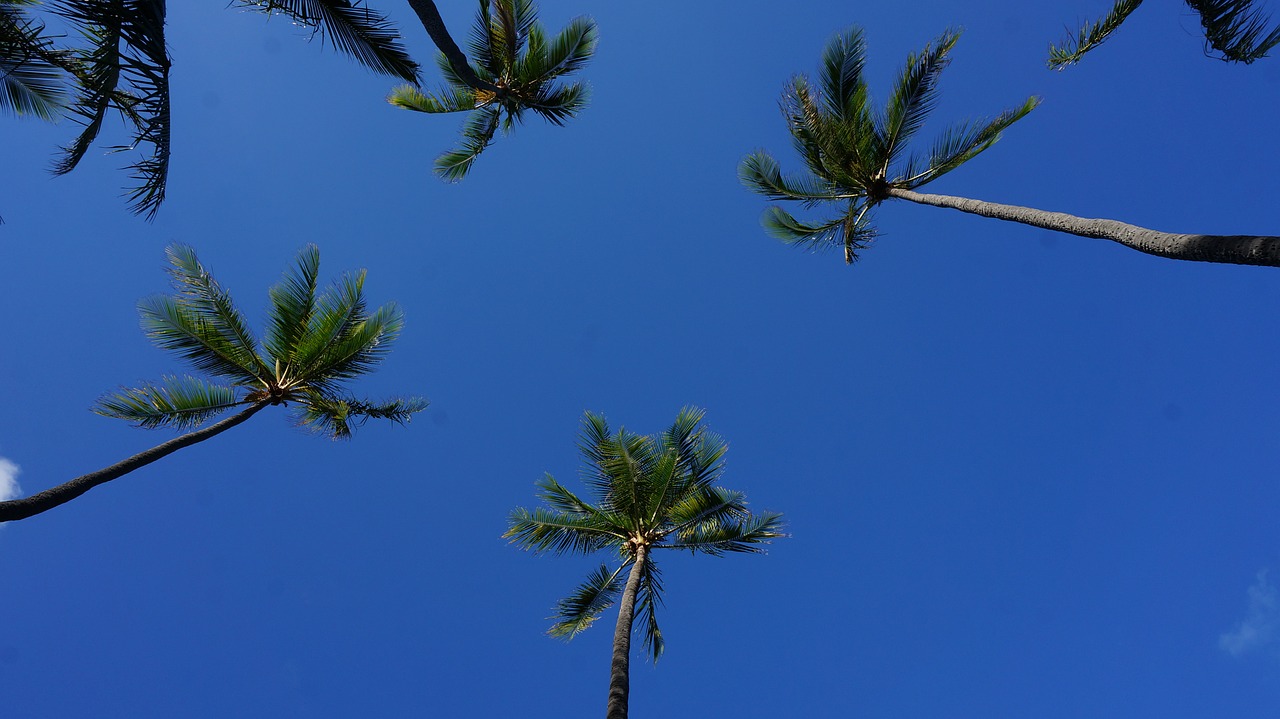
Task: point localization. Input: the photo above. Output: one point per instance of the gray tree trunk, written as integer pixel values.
(620, 672)
(429, 15)
(44, 501)
(1230, 249)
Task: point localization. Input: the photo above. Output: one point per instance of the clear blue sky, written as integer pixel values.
(1025, 474)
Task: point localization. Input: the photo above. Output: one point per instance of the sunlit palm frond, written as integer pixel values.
(354, 29)
(784, 226)
(211, 306)
(706, 505)
(584, 606)
(566, 53)
(1091, 35)
(180, 402)
(293, 303)
(544, 530)
(450, 99)
(559, 498)
(1236, 28)
(719, 537)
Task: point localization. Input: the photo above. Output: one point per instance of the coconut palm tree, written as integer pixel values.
(1236, 29)
(651, 493)
(857, 158)
(519, 66)
(315, 343)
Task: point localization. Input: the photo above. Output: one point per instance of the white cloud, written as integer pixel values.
(9, 488)
(1262, 626)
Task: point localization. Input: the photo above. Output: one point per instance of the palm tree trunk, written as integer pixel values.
(63, 493)
(1231, 249)
(429, 15)
(620, 673)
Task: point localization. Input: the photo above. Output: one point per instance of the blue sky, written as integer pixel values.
(1025, 474)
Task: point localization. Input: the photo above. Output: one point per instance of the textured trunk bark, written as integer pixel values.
(1230, 249)
(431, 20)
(44, 501)
(620, 673)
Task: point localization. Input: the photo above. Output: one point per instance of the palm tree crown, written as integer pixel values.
(510, 51)
(651, 493)
(856, 155)
(315, 343)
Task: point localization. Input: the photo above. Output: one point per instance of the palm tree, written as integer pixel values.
(517, 66)
(856, 158)
(651, 493)
(315, 343)
(1235, 28)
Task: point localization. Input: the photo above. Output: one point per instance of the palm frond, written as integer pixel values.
(762, 174)
(211, 310)
(914, 95)
(544, 530)
(648, 599)
(179, 402)
(354, 29)
(1236, 28)
(559, 498)
(338, 311)
(354, 352)
(338, 417)
(1071, 50)
(293, 303)
(716, 538)
(451, 99)
(581, 609)
(562, 103)
(709, 505)
(31, 83)
(477, 133)
(127, 46)
(568, 52)
(960, 144)
(841, 74)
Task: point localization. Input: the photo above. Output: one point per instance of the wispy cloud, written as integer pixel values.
(1262, 626)
(9, 488)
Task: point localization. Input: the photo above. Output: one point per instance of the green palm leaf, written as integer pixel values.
(915, 94)
(477, 133)
(581, 609)
(841, 73)
(561, 104)
(355, 29)
(293, 305)
(961, 144)
(180, 402)
(543, 530)
(30, 81)
(718, 537)
(1090, 36)
(457, 99)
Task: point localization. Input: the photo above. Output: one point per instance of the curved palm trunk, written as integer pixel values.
(620, 672)
(63, 493)
(429, 15)
(1231, 249)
